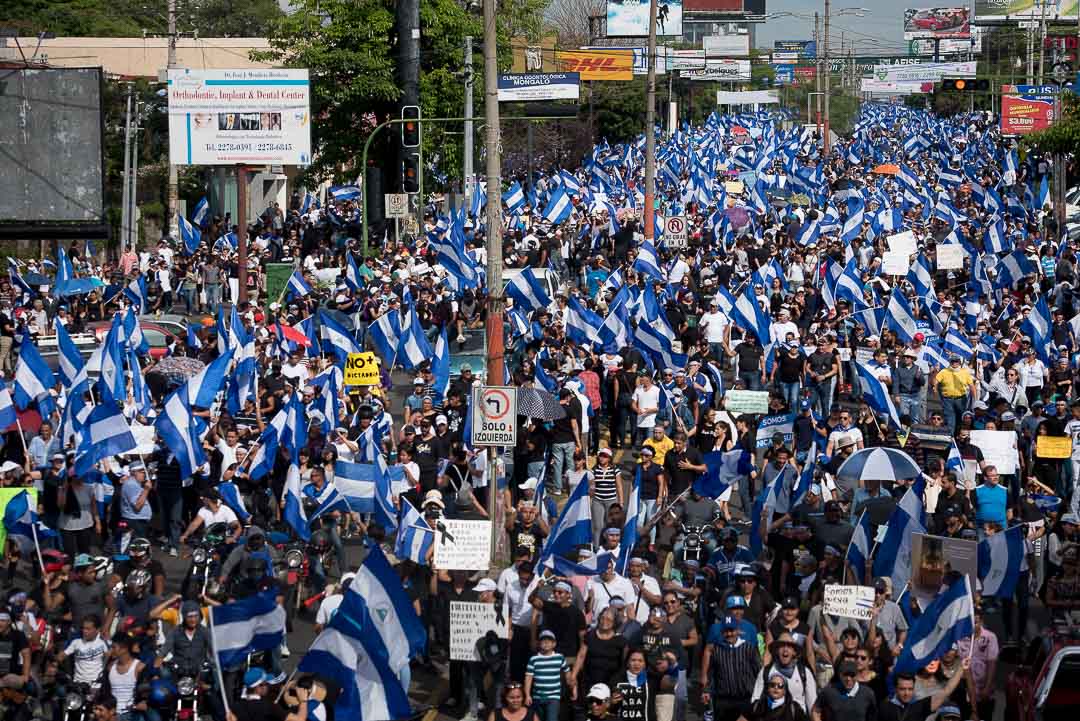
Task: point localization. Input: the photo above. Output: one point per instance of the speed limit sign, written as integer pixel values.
(675, 231)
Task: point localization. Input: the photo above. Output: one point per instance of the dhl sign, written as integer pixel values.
(597, 64)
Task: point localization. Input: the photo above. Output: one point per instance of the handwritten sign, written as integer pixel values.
(635, 702)
(999, 449)
(903, 243)
(740, 402)
(895, 263)
(864, 355)
(950, 256)
(463, 545)
(1053, 446)
(849, 601)
(470, 622)
(844, 353)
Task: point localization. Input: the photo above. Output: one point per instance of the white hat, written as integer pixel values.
(530, 484)
(600, 692)
(434, 496)
(485, 584)
(9, 466)
(441, 420)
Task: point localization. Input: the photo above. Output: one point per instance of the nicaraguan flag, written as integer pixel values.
(559, 207)
(69, 361)
(8, 416)
(255, 623)
(202, 213)
(190, 235)
(105, 434)
(527, 291)
(21, 522)
(877, 395)
(858, 551)
(629, 530)
(574, 525)
(593, 566)
(136, 293)
(33, 380)
(180, 430)
(893, 557)
(297, 286)
(345, 192)
(947, 620)
(415, 537)
(414, 349)
(341, 339)
(1000, 558)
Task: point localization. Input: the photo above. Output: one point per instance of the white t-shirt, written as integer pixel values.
(647, 399)
(223, 514)
(641, 606)
(298, 371)
(603, 591)
(228, 453)
(781, 330)
(327, 608)
(89, 658)
(714, 325)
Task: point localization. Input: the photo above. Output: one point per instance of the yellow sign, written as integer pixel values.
(733, 187)
(362, 369)
(1053, 446)
(597, 64)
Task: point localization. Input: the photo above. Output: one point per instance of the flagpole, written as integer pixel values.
(217, 662)
(26, 451)
(37, 547)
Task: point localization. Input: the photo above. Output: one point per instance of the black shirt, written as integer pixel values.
(650, 481)
(11, 647)
(679, 479)
(563, 431)
(259, 709)
(566, 623)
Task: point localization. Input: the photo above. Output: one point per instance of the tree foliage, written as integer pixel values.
(1064, 135)
(130, 18)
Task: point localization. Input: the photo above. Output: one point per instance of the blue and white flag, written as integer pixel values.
(725, 470)
(345, 192)
(385, 333)
(189, 234)
(593, 566)
(440, 366)
(415, 537)
(876, 395)
(648, 261)
(858, 551)
(955, 462)
(353, 279)
(657, 346)
(70, 362)
(900, 316)
(230, 496)
(340, 338)
(202, 213)
(574, 525)
(1000, 558)
(111, 383)
(293, 510)
(21, 523)
(137, 294)
(8, 415)
(751, 316)
(630, 525)
(105, 434)
(947, 620)
(180, 430)
(33, 380)
(133, 335)
(527, 291)
(514, 197)
(1013, 268)
(356, 483)
(297, 286)
(558, 208)
(204, 386)
(893, 557)
(255, 623)
(582, 324)
(414, 349)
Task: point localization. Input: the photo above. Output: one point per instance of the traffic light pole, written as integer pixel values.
(421, 121)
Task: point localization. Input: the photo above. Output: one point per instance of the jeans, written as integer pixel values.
(1019, 600)
(172, 508)
(823, 396)
(599, 515)
(790, 392)
(648, 508)
(213, 295)
(910, 404)
(751, 379)
(187, 294)
(562, 460)
(534, 469)
(746, 496)
(952, 409)
(547, 710)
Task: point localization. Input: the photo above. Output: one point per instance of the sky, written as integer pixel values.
(878, 32)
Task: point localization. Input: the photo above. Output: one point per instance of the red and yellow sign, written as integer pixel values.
(597, 64)
(1023, 114)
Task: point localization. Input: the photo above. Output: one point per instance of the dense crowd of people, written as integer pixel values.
(718, 430)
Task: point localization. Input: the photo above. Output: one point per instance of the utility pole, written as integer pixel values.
(1042, 39)
(818, 74)
(241, 233)
(125, 208)
(495, 345)
(650, 121)
(173, 194)
(827, 80)
(467, 166)
(133, 225)
(1030, 55)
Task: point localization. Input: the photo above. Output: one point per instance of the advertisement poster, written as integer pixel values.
(923, 72)
(1026, 111)
(597, 64)
(952, 22)
(1001, 10)
(804, 48)
(630, 18)
(725, 70)
(226, 117)
(539, 86)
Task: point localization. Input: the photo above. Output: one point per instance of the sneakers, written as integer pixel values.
(460, 338)
(285, 653)
(173, 551)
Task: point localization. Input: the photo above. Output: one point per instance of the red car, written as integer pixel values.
(1045, 685)
(937, 22)
(157, 336)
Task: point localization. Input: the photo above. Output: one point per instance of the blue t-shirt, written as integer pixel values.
(746, 629)
(131, 490)
(991, 503)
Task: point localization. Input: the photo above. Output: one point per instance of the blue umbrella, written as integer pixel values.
(878, 464)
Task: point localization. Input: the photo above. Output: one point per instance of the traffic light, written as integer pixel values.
(410, 173)
(966, 85)
(410, 129)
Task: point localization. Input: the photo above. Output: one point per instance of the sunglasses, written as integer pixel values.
(776, 685)
(862, 657)
(848, 675)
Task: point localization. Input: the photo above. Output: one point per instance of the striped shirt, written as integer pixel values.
(604, 480)
(734, 669)
(547, 674)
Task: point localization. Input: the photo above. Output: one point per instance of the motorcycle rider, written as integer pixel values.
(14, 654)
(79, 595)
(213, 511)
(187, 649)
(89, 652)
(138, 552)
(254, 546)
(314, 490)
(135, 603)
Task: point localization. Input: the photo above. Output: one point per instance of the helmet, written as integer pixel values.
(138, 580)
(138, 549)
(366, 412)
(162, 693)
(103, 567)
(54, 560)
(320, 541)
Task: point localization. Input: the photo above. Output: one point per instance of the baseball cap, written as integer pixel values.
(83, 560)
(600, 692)
(605, 452)
(418, 381)
(485, 584)
(547, 634)
(254, 677)
(441, 421)
(804, 405)
(948, 711)
(790, 602)
(735, 602)
(729, 623)
(530, 484)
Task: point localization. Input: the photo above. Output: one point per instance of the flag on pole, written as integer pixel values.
(255, 623)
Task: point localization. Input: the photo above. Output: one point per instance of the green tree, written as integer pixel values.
(130, 18)
(1064, 135)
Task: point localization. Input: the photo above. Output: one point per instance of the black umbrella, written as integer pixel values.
(538, 404)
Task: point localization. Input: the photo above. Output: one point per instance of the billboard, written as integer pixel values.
(641, 56)
(785, 74)
(923, 72)
(712, 6)
(886, 88)
(991, 11)
(804, 48)
(727, 70)
(954, 22)
(51, 142)
(630, 18)
(686, 59)
(539, 86)
(597, 64)
(226, 117)
(1029, 109)
(726, 45)
(946, 46)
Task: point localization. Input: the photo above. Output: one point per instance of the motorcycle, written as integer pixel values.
(189, 692)
(79, 701)
(207, 557)
(693, 546)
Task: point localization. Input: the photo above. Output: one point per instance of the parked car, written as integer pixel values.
(1045, 685)
(157, 335)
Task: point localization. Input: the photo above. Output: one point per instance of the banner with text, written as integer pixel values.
(539, 86)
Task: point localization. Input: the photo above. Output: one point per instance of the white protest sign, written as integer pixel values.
(849, 601)
(739, 402)
(144, 440)
(894, 262)
(864, 355)
(469, 622)
(950, 256)
(903, 243)
(998, 448)
(845, 354)
(463, 545)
